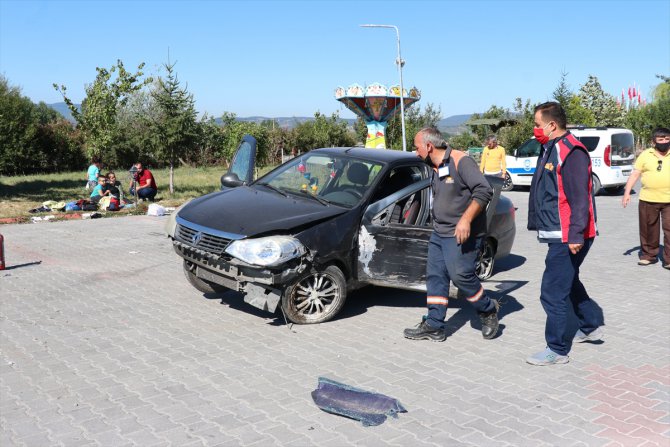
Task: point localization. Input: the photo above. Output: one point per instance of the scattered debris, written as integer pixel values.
(365, 406)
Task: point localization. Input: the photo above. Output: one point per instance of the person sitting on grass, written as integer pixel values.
(112, 187)
(143, 183)
(98, 192)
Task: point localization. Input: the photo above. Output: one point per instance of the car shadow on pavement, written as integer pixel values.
(235, 300)
(509, 262)
(359, 301)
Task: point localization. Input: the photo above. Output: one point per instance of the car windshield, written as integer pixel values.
(337, 179)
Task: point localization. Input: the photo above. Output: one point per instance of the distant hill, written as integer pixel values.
(63, 109)
(452, 124)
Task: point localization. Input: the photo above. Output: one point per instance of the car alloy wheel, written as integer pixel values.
(507, 184)
(315, 298)
(486, 259)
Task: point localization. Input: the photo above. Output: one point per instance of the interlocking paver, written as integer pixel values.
(127, 353)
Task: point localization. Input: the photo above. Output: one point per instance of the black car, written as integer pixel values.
(319, 226)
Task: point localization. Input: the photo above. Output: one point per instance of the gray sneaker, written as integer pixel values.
(547, 357)
(596, 335)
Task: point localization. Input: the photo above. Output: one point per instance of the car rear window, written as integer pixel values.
(591, 143)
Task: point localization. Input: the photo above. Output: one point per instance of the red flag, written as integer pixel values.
(634, 94)
(630, 93)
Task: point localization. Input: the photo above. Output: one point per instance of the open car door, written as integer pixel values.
(392, 250)
(392, 244)
(241, 170)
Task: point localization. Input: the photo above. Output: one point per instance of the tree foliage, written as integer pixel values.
(604, 107)
(322, 132)
(643, 120)
(416, 118)
(34, 138)
(97, 119)
(175, 129)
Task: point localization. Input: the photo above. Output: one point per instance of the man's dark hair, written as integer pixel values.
(553, 111)
(95, 159)
(660, 132)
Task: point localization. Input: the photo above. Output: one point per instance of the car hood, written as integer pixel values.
(250, 211)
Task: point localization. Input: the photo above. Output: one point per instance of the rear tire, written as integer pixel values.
(316, 297)
(200, 284)
(596, 185)
(486, 260)
(507, 184)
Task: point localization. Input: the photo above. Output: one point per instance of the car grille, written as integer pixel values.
(201, 240)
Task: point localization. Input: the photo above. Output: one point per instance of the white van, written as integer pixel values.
(612, 152)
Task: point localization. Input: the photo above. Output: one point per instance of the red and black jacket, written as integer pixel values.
(561, 206)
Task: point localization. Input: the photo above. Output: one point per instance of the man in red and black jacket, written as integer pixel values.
(562, 210)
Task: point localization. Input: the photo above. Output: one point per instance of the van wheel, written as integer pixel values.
(315, 298)
(596, 185)
(200, 284)
(507, 184)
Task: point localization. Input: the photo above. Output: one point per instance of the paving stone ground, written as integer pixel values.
(104, 343)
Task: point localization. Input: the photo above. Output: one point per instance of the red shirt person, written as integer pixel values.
(146, 185)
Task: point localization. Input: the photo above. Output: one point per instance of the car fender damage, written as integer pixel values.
(263, 287)
(366, 248)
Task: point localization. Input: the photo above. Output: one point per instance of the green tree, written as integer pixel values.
(576, 113)
(643, 120)
(416, 118)
(562, 93)
(511, 137)
(34, 138)
(605, 110)
(98, 116)
(210, 141)
(175, 125)
(322, 132)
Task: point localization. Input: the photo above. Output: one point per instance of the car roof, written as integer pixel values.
(370, 154)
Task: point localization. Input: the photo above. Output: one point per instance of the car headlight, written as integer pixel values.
(266, 251)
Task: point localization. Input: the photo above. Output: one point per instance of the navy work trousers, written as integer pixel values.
(448, 261)
(561, 287)
(144, 193)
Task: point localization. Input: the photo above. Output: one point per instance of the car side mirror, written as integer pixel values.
(515, 153)
(231, 180)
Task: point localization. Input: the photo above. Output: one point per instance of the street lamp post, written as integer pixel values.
(400, 63)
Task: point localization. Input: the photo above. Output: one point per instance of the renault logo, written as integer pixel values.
(196, 238)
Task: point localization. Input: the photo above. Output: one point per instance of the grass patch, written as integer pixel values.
(22, 193)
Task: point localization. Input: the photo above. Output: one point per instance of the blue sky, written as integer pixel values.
(284, 58)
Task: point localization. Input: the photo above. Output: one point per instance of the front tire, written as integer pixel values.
(486, 260)
(507, 184)
(596, 186)
(315, 298)
(200, 284)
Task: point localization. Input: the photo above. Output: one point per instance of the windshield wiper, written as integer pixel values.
(274, 188)
(322, 201)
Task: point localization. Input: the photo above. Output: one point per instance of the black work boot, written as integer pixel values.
(424, 332)
(490, 321)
